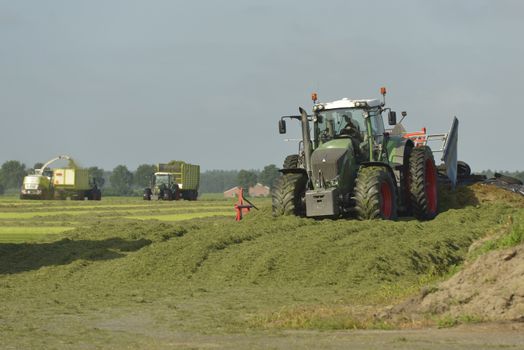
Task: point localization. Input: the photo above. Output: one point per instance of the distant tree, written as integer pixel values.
(38, 165)
(268, 175)
(143, 175)
(2, 189)
(97, 175)
(121, 180)
(246, 178)
(12, 174)
(217, 181)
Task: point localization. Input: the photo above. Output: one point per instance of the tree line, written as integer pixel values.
(123, 182)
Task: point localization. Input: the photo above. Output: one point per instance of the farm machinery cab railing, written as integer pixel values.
(353, 165)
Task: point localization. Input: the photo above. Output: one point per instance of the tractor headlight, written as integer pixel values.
(317, 108)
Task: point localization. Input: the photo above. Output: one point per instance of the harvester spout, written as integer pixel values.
(72, 163)
(307, 140)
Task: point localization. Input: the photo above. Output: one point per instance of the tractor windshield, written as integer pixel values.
(162, 179)
(32, 179)
(331, 123)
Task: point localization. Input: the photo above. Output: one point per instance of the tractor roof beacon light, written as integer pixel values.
(383, 93)
(314, 97)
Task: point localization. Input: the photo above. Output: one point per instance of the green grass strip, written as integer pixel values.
(181, 217)
(17, 234)
(32, 214)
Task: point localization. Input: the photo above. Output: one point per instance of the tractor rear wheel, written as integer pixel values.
(168, 194)
(291, 162)
(288, 195)
(422, 180)
(375, 194)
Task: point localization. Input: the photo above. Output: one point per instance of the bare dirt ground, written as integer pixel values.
(488, 288)
(486, 336)
(140, 331)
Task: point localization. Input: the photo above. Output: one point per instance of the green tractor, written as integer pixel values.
(354, 167)
(173, 181)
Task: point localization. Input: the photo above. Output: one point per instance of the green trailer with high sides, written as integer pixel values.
(173, 181)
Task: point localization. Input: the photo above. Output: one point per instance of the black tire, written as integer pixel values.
(97, 194)
(463, 169)
(291, 162)
(422, 183)
(168, 194)
(288, 195)
(375, 194)
(194, 195)
(147, 194)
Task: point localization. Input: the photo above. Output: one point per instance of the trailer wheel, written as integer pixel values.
(288, 195)
(375, 194)
(463, 169)
(97, 194)
(423, 183)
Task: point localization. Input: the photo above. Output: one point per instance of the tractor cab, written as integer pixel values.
(359, 121)
(162, 179)
(163, 186)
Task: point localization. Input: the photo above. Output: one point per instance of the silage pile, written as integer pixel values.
(490, 288)
(490, 285)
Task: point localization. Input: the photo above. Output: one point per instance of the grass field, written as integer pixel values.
(122, 273)
(24, 221)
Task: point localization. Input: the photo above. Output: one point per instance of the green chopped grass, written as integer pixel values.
(193, 269)
(23, 234)
(183, 216)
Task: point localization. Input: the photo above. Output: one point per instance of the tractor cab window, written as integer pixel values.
(333, 123)
(31, 179)
(162, 179)
(377, 125)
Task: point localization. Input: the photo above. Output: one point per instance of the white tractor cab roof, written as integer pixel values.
(162, 173)
(347, 103)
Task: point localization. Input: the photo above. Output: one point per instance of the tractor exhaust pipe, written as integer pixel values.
(306, 137)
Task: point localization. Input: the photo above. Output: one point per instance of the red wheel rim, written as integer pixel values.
(386, 205)
(431, 186)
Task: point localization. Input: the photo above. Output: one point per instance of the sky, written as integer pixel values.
(130, 82)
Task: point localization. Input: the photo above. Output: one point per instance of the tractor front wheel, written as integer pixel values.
(288, 195)
(375, 194)
(423, 183)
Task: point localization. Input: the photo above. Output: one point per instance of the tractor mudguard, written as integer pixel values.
(293, 171)
(399, 150)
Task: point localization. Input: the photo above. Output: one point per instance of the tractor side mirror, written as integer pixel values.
(282, 126)
(392, 118)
